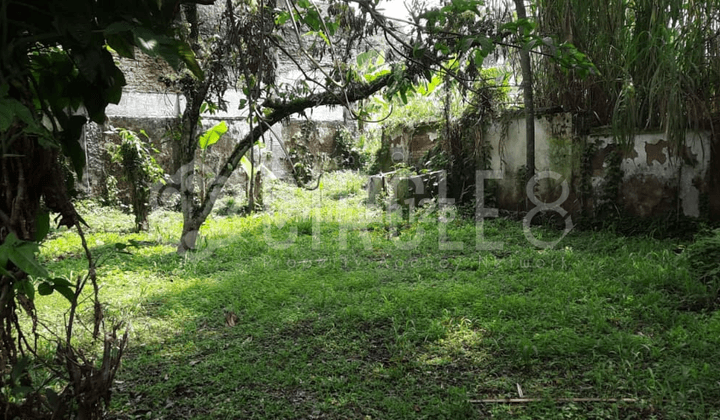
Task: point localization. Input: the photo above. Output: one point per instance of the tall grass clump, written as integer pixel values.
(703, 257)
(657, 60)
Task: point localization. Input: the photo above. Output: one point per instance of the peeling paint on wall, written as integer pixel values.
(656, 152)
(655, 181)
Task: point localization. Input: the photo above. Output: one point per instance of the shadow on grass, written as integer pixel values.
(243, 334)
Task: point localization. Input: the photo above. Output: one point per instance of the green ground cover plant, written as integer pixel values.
(277, 316)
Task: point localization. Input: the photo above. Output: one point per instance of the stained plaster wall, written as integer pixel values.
(553, 152)
(272, 155)
(407, 145)
(154, 113)
(655, 180)
(148, 104)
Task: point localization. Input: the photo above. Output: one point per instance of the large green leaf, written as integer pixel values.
(246, 165)
(67, 292)
(114, 90)
(22, 254)
(121, 45)
(64, 288)
(42, 225)
(213, 135)
(27, 288)
(45, 288)
(61, 282)
(181, 49)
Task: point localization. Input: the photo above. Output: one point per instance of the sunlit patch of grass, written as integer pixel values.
(461, 342)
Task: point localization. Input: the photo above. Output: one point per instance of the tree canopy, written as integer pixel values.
(345, 51)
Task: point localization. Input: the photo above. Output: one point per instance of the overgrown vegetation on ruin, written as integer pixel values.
(657, 65)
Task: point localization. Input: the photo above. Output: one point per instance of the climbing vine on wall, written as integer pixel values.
(463, 147)
(346, 152)
(304, 162)
(613, 178)
(139, 170)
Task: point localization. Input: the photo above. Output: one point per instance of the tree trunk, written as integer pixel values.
(714, 180)
(527, 84)
(29, 174)
(188, 146)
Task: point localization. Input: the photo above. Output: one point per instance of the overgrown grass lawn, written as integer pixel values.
(258, 325)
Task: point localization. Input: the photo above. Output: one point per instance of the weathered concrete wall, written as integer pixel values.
(553, 152)
(145, 74)
(407, 145)
(655, 180)
(323, 138)
(155, 114)
(160, 133)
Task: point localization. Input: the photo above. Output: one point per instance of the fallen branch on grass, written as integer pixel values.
(559, 400)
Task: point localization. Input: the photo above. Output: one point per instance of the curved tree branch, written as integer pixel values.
(280, 111)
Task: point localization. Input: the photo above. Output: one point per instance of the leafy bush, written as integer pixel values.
(139, 170)
(346, 151)
(369, 143)
(700, 292)
(229, 206)
(305, 163)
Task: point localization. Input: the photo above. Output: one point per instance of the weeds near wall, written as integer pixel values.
(380, 157)
(585, 188)
(139, 170)
(109, 193)
(613, 182)
(346, 150)
(521, 179)
(304, 162)
(463, 147)
(702, 256)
